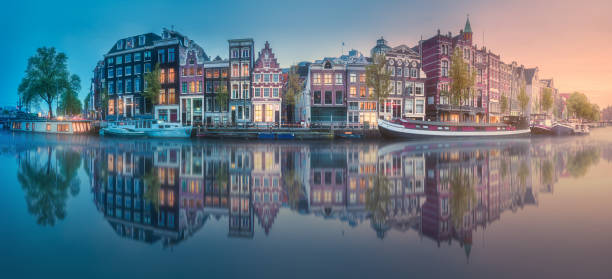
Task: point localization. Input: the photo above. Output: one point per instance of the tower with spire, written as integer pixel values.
(467, 30)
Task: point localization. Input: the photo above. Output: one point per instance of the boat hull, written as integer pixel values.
(392, 130)
(542, 130)
(121, 132)
(183, 132)
(562, 130)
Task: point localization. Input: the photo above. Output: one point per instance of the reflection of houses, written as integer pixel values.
(169, 195)
(267, 179)
(127, 200)
(241, 212)
(327, 181)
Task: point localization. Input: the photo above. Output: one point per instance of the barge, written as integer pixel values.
(415, 129)
(53, 126)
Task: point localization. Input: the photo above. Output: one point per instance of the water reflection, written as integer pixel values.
(166, 191)
(48, 177)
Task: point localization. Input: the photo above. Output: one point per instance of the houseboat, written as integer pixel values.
(53, 126)
(414, 129)
(541, 124)
(563, 129)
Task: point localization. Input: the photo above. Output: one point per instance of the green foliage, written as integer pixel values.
(523, 99)
(86, 102)
(378, 77)
(503, 103)
(222, 97)
(578, 105)
(294, 188)
(153, 85)
(522, 174)
(45, 186)
(548, 171)
(46, 77)
(462, 78)
(546, 99)
(104, 101)
(152, 186)
(294, 87)
(579, 163)
(463, 195)
(378, 197)
(69, 103)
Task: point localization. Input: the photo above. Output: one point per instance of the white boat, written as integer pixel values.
(122, 129)
(413, 129)
(148, 128)
(582, 130)
(168, 130)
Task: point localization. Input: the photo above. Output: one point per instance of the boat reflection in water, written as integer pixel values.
(166, 191)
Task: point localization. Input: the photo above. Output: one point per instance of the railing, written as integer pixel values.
(459, 108)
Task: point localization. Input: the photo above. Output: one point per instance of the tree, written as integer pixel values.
(546, 99)
(152, 187)
(463, 195)
(579, 163)
(104, 102)
(46, 187)
(294, 88)
(462, 78)
(378, 197)
(87, 103)
(222, 97)
(378, 77)
(523, 99)
(578, 104)
(46, 77)
(503, 103)
(69, 103)
(153, 85)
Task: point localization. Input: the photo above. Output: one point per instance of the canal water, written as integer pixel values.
(89, 207)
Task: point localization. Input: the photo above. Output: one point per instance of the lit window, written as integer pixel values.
(328, 78)
(171, 75)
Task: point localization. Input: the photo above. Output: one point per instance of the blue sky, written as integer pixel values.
(296, 30)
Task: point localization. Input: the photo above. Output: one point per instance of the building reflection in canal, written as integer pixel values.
(166, 191)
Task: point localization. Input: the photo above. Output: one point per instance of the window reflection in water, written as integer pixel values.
(166, 191)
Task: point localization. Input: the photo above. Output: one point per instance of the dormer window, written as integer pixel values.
(141, 40)
(327, 65)
(129, 43)
(120, 44)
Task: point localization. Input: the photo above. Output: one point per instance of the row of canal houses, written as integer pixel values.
(334, 88)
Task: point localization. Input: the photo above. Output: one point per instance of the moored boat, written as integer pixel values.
(52, 126)
(167, 130)
(413, 129)
(563, 129)
(582, 130)
(542, 130)
(542, 125)
(146, 127)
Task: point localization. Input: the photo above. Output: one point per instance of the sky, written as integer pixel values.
(570, 41)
